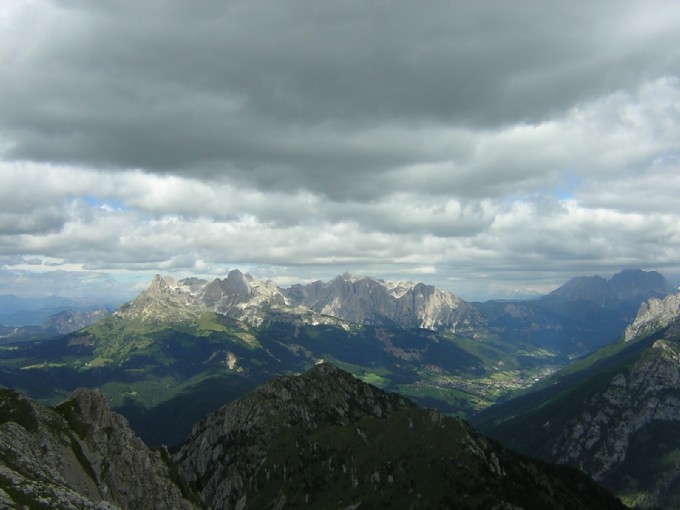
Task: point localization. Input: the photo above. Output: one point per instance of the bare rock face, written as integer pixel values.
(654, 314)
(344, 299)
(239, 296)
(70, 320)
(618, 418)
(371, 301)
(597, 439)
(79, 455)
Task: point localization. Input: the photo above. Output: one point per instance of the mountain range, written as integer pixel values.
(18, 311)
(182, 349)
(343, 300)
(320, 440)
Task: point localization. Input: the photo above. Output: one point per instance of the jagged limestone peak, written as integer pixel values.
(345, 299)
(654, 314)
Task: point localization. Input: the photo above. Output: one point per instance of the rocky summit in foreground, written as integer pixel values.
(326, 440)
(79, 455)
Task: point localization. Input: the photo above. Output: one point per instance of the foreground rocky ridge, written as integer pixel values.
(79, 455)
(327, 440)
(320, 440)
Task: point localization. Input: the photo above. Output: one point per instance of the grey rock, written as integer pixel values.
(652, 315)
(79, 455)
(341, 301)
(70, 320)
(597, 439)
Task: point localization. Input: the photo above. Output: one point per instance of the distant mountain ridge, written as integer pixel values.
(629, 287)
(195, 344)
(60, 323)
(33, 311)
(580, 316)
(73, 320)
(361, 300)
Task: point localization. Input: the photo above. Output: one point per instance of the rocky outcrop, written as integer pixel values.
(597, 438)
(342, 300)
(370, 301)
(79, 455)
(327, 440)
(614, 415)
(652, 315)
(69, 321)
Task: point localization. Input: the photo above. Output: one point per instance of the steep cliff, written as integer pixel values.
(73, 320)
(79, 455)
(615, 415)
(371, 301)
(654, 314)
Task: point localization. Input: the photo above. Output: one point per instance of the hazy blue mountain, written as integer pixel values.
(624, 291)
(582, 315)
(69, 321)
(34, 311)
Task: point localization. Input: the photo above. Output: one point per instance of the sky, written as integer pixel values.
(494, 149)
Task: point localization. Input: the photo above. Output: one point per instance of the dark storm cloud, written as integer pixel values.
(302, 94)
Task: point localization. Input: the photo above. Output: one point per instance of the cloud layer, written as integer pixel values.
(481, 147)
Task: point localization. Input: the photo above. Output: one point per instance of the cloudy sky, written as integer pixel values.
(494, 148)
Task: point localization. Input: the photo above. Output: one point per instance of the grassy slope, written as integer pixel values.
(162, 376)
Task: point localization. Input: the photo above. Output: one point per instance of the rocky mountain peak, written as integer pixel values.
(361, 300)
(160, 286)
(635, 280)
(237, 283)
(225, 449)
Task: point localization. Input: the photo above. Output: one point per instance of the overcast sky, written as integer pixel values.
(494, 149)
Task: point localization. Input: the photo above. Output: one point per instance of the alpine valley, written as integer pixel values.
(182, 349)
